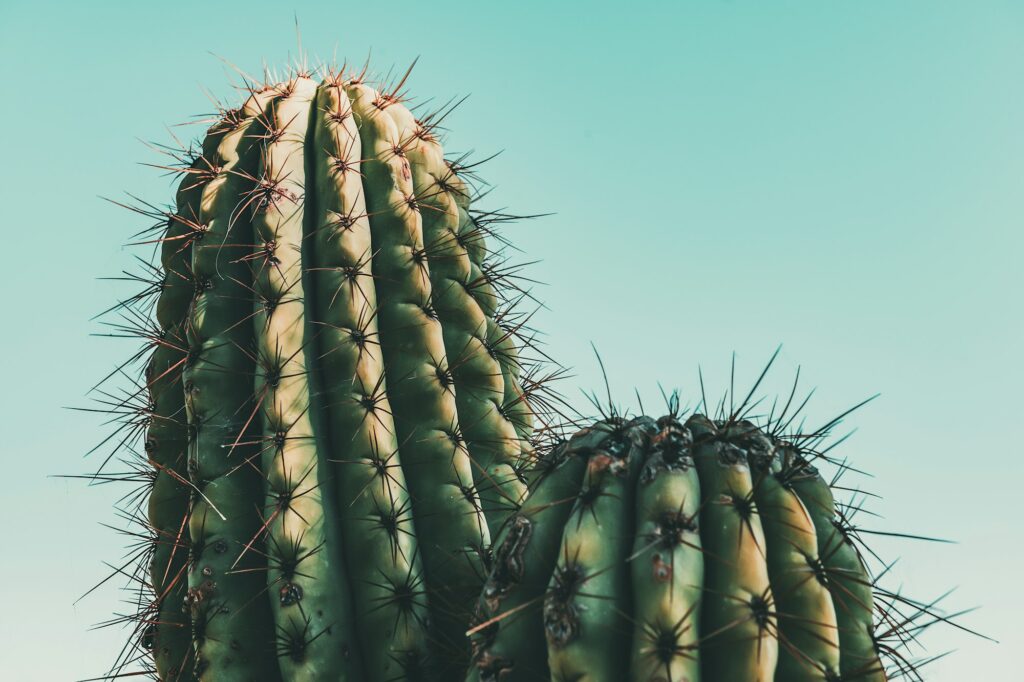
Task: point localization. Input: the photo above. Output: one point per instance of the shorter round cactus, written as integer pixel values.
(678, 550)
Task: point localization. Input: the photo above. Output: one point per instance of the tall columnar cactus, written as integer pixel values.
(679, 551)
(337, 418)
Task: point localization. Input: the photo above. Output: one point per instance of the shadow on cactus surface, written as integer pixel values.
(338, 406)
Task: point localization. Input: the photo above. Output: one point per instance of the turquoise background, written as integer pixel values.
(844, 178)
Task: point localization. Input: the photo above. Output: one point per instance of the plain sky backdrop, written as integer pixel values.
(845, 178)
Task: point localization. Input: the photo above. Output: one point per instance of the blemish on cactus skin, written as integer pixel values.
(290, 594)
(662, 570)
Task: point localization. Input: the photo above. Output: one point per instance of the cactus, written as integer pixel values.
(684, 550)
(337, 412)
(339, 418)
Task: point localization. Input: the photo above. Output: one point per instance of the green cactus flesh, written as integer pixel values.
(675, 551)
(338, 419)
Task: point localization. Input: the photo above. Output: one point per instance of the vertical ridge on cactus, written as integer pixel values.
(666, 610)
(167, 441)
(806, 610)
(232, 631)
(373, 499)
(338, 420)
(841, 569)
(431, 443)
(467, 323)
